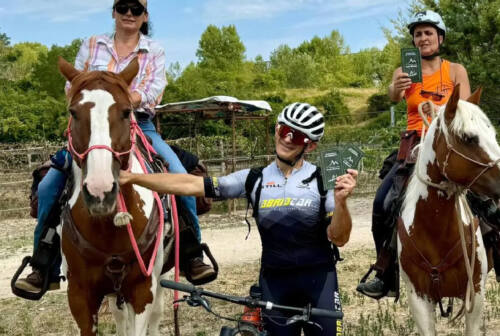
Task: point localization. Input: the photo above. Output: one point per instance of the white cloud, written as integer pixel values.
(58, 10)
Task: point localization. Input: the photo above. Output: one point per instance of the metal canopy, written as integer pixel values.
(221, 107)
(218, 107)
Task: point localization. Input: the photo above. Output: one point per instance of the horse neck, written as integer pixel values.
(426, 206)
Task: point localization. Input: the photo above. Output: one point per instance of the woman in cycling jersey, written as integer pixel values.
(298, 244)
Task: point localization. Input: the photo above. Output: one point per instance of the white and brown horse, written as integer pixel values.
(99, 259)
(459, 152)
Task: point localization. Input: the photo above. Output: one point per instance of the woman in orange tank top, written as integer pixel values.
(438, 79)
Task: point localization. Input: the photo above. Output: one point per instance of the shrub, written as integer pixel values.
(334, 108)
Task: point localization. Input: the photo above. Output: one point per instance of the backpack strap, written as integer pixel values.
(253, 175)
(322, 207)
(322, 192)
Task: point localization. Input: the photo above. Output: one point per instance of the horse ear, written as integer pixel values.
(476, 96)
(67, 69)
(128, 74)
(451, 105)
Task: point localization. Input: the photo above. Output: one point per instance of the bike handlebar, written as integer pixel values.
(247, 301)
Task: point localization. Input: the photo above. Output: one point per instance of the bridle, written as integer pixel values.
(117, 155)
(451, 149)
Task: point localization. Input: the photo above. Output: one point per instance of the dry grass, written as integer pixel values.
(363, 316)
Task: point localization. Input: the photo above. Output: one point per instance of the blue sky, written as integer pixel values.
(262, 24)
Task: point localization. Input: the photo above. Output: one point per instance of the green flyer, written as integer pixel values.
(351, 156)
(331, 166)
(411, 64)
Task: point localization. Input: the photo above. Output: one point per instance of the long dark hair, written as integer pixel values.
(146, 28)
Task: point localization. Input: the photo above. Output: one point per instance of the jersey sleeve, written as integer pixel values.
(229, 186)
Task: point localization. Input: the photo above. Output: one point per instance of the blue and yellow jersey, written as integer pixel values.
(291, 231)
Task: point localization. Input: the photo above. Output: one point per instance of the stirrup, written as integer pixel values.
(204, 248)
(23, 293)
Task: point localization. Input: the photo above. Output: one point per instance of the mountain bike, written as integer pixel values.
(249, 326)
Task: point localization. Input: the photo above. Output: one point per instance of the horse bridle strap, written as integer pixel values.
(451, 149)
(117, 155)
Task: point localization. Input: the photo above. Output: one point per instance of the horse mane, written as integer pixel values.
(85, 78)
(469, 120)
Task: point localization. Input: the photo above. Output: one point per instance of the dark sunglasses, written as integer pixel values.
(136, 9)
(297, 137)
(433, 95)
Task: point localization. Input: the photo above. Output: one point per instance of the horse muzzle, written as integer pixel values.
(100, 202)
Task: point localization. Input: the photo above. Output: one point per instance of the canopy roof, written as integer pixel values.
(216, 106)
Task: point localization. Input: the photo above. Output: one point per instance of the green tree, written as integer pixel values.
(46, 73)
(221, 49)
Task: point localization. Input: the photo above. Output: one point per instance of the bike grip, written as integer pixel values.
(335, 314)
(177, 286)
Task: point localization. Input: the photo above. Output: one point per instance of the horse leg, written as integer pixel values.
(124, 324)
(156, 312)
(421, 309)
(474, 319)
(142, 304)
(84, 306)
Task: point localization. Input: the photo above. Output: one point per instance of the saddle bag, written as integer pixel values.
(409, 139)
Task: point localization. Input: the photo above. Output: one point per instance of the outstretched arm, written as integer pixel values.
(166, 183)
(340, 227)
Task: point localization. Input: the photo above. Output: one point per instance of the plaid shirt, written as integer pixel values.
(98, 53)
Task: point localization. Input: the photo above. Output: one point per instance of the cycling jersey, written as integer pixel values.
(292, 234)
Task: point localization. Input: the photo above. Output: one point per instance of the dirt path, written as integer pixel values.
(229, 245)
(225, 236)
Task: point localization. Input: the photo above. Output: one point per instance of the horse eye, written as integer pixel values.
(471, 139)
(126, 113)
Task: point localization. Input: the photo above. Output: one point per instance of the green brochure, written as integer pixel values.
(331, 166)
(351, 156)
(412, 64)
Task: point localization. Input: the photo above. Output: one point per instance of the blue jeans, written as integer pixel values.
(52, 185)
(174, 166)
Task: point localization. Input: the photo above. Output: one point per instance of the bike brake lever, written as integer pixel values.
(196, 300)
(302, 318)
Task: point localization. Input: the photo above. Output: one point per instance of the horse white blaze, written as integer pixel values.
(99, 178)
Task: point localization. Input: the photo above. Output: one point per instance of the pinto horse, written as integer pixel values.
(459, 152)
(98, 257)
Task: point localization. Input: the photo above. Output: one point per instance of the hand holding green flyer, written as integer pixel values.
(335, 162)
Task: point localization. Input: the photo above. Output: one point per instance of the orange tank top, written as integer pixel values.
(439, 82)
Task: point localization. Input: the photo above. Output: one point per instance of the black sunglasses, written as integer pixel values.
(136, 9)
(433, 95)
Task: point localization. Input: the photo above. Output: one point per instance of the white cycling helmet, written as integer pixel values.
(304, 118)
(429, 17)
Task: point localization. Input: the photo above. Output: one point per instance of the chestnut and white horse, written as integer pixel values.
(459, 152)
(99, 258)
